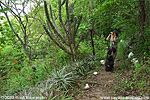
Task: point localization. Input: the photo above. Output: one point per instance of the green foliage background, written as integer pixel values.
(18, 73)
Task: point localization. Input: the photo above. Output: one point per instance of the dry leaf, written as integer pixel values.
(14, 61)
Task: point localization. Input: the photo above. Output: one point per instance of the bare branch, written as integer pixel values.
(54, 34)
(55, 38)
(73, 30)
(67, 10)
(18, 18)
(47, 15)
(37, 42)
(9, 9)
(70, 10)
(12, 26)
(81, 38)
(54, 21)
(78, 25)
(60, 18)
(59, 32)
(69, 46)
(63, 3)
(63, 48)
(34, 17)
(61, 22)
(147, 10)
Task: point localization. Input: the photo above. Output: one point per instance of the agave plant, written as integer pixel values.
(50, 89)
(35, 93)
(62, 79)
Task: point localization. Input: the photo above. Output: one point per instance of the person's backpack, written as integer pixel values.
(109, 63)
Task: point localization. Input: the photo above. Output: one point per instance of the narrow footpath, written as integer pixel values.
(100, 85)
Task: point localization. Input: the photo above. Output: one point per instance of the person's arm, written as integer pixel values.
(108, 37)
(112, 38)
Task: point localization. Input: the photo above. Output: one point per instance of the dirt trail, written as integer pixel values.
(101, 85)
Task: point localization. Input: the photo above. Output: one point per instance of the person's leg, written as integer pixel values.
(114, 55)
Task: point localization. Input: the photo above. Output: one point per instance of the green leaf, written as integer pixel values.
(1, 10)
(5, 9)
(131, 87)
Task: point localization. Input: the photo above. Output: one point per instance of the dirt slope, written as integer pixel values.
(101, 85)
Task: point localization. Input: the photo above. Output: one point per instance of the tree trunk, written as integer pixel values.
(92, 42)
(92, 29)
(142, 15)
(142, 18)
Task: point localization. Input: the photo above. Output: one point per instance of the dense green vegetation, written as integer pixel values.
(34, 62)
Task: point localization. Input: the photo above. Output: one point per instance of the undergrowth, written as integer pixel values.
(133, 80)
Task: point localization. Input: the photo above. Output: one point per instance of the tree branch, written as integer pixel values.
(63, 48)
(59, 32)
(78, 25)
(73, 30)
(37, 42)
(63, 2)
(12, 26)
(60, 18)
(67, 10)
(81, 38)
(147, 10)
(47, 15)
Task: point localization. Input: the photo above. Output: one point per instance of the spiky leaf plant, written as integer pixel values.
(52, 88)
(61, 79)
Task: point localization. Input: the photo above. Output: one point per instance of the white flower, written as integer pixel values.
(134, 60)
(102, 62)
(86, 86)
(130, 54)
(95, 73)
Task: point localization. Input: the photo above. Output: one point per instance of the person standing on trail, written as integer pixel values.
(113, 38)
